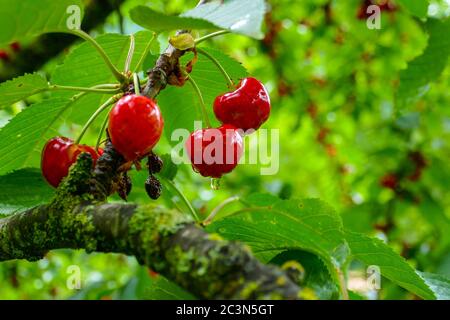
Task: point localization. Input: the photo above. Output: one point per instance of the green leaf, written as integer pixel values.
(159, 288)
(261, 199)
(238, 16)
(23, 138)
(211, 83)
(438, 283)
(151, 287)
(435, 214)
(429, 66)
(182, 99)
(158, 22)
(419, 8)
(309, 225)
(25, 19)
(373, 251)
(20, 88)
(23, 189)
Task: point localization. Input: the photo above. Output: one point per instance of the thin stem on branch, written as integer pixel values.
(130, 55)
(117, 74)
(137, 84)
(201, 100)
(145, 53)
(217, 209)
(101, 132)
(108, 102)
(219, 66)
(182, 197)
(104, 89)
(211, 35)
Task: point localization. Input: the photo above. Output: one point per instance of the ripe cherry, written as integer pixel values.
(15, 46)
(214, 152)
(58, 155)
(248, 107)
(4, 55)
(135, 126)
(389, 181)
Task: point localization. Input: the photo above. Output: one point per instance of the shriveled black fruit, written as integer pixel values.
(155, 164)
(153, 187)
(125, 186)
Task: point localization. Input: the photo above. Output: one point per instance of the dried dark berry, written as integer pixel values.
(125, 186)
(153, 187)
(155, 164)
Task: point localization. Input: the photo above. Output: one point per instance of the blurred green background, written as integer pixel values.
(343, 139)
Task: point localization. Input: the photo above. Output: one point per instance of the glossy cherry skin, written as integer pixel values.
(135, 126)
(58, 155)
(248, 107)
(214, 152)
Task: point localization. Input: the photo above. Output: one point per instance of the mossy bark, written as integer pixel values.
(167, 241)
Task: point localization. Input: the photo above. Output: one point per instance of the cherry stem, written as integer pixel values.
(182, 197)
(97, 89)
(342, 284)
(217, 209)
(202, 101)
(145, 53)
(108, 102)
(211, 35)
(117, 74)
(102, 130)
(136, 84)
(218, 65)
(130, 54)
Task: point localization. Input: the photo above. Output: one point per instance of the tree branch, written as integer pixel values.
(167, 241)
(167, 68)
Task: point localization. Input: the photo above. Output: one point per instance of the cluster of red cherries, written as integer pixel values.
(136, 124)
(242, 110)
(135, 127)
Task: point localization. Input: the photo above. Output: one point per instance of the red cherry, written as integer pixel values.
(58, 155)
(248, 107)
(389, 181)
(15, 46)
(135, 126)
(214, 152)
(4, 55)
